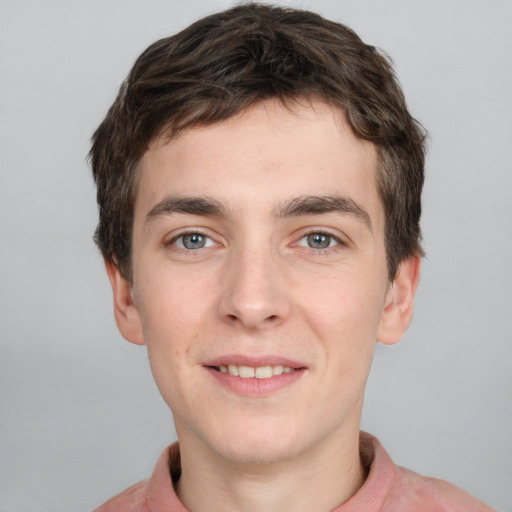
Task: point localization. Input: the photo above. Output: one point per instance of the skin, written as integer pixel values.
(257, 288)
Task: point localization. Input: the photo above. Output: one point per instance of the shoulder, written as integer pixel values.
(392, 488)
(433, 495)
(154, 494)
(133, 499)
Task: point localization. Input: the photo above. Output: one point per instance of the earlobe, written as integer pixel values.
(126, 312)
(397, 311)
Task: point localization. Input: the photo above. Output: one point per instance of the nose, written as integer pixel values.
(254, 292)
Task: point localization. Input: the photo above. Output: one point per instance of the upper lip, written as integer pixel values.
(254, 361)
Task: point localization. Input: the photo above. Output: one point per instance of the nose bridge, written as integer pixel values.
(253, 293)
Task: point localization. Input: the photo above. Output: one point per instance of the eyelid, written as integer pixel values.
(188, 231)
(342, 240)
(305, 242)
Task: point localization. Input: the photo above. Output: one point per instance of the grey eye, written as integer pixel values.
(193, 241)
(318, 241)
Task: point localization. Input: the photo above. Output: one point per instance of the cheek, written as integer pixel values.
(169, 330)
(172, 305)
(176, 311)
(347, 309)
(345, 321)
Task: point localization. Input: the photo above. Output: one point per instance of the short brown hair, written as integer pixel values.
(229, 61)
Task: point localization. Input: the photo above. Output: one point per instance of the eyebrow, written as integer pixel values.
(316, 205)
(196, 205)
(302, 205)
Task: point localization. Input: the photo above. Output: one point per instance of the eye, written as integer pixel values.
(193, 241)
(319, 241)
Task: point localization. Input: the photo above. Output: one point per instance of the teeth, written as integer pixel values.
(245, 372)
(261, 372)
(277, 370)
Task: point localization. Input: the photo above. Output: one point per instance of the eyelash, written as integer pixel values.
(321, 250)
(332, 236)
(183, 234)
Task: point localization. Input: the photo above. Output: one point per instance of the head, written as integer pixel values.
(227, 62)
(259, 182)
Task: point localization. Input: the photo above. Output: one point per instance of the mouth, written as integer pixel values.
(255, 376)
(250, 372)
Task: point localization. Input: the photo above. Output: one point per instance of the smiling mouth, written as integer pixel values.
(249, 372)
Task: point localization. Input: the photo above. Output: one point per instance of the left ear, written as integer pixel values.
(397, 311)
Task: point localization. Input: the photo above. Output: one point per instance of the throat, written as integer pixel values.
(294, 485)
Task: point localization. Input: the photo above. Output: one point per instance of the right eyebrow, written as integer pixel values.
(194, 205)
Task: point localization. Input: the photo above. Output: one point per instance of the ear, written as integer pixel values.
(126, 312)
(397, 311)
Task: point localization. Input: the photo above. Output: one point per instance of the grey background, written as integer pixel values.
(80, 416)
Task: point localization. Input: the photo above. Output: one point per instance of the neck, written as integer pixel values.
(320, 479)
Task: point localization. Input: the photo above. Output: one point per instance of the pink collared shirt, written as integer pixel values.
(388, 488)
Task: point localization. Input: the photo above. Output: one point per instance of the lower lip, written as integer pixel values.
(256, 387)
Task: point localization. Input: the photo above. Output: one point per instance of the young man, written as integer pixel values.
(259, 181)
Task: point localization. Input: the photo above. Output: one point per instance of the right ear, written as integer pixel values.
(126, 312)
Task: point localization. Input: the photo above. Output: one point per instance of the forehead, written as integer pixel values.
(267, 154)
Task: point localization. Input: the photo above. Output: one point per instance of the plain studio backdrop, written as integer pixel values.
(81, 418)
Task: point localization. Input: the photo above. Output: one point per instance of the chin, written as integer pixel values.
(259, 444)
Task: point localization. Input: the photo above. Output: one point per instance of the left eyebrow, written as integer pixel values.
(316, 205)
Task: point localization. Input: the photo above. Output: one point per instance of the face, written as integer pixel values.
(260, 280)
